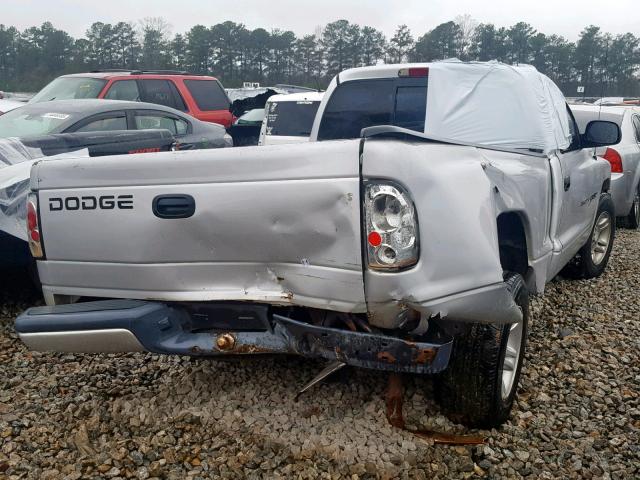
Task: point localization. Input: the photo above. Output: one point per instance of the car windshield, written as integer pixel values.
(22, 122)
(292, 119)
(70, 88)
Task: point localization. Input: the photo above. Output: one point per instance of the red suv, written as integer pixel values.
(198, 95)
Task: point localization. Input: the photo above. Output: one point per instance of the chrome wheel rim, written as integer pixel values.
(600, 238)
(511, 359)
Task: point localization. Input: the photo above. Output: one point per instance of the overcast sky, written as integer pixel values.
(564, 17)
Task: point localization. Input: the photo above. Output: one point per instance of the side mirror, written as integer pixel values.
(601, 133)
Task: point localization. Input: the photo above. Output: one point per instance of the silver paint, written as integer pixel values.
(290, 233)
(114, 340)
(459, 191)
(278, 225)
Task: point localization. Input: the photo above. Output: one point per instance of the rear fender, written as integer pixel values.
(458, 195)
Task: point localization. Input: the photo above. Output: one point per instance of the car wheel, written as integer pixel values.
(633, 219)
(591, 260)
(479, 386)
(593, 257)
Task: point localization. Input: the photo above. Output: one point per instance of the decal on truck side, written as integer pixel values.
(89, 202)
(589, 199)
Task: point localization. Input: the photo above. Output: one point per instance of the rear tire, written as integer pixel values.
(479, 386)
(594, 255)
(592, 258)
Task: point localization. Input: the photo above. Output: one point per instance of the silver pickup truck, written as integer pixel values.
(406, 236)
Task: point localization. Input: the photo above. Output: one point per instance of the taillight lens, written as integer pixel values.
(391, 227)
(612, 156)
(33, 229)
(413, 72)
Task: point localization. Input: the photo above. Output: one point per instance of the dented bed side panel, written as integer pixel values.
(272, 224)
(458, 192)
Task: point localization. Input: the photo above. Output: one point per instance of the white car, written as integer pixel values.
(289, 118)
(623, 157)
(617, 101)
(8, 105)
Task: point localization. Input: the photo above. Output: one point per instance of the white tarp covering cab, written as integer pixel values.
(485, 103)
(491, 103)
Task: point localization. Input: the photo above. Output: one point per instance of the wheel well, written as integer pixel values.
(512, 242)
(606, 185)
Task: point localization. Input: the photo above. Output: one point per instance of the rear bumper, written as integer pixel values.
(218, 329)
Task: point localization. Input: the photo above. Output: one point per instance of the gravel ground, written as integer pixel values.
(141, 416)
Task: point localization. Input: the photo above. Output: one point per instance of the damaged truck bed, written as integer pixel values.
(404, 237)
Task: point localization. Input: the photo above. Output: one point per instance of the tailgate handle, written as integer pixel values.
(174, 206)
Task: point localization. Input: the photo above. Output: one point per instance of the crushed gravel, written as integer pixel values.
(146, 416)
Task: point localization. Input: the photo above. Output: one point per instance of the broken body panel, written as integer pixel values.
(283, 226)
(290, 234)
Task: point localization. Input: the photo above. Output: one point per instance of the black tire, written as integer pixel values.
(584, 264)
(470, 389)
(633, 219)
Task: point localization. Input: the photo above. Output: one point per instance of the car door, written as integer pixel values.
(579, 195)
(157, 119)
(161, 92)
(102, 122)
(123, 90)
(634, 163)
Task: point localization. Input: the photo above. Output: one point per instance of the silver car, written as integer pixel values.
(623, 157)
(404, 236)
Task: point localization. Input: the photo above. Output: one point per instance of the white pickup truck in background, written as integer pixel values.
(289, 118)
(405, 236)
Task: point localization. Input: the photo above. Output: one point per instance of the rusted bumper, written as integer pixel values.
(217, 330)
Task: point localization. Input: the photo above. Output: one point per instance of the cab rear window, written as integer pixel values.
(366, 103)
(292, 119)
(208, 94)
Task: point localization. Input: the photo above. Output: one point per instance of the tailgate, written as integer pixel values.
(276, 224)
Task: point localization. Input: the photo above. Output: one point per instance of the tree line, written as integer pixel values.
(603, 63)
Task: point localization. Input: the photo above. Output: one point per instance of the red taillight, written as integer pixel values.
(613, 157)
(32, 217)
(374, 239)
(33, 230)
(413, 72)
(391, 226)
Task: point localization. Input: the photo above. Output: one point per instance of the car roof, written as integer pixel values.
(612, 113)
(297, 97)
(91, 106)
(136, 74)
(529, 73)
